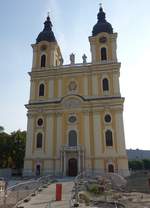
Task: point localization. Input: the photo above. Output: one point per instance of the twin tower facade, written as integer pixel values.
(75, 111)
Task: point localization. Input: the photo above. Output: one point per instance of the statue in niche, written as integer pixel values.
(61, 61)
(72, 58)
(84, 57)
(72, 86)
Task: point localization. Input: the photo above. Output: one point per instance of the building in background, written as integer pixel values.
(138, 154)
(75, 111)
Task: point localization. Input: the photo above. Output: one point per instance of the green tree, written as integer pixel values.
(146, 163)
(136, 165)
(12, 149)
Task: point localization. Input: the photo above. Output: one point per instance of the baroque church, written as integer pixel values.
(75, 111)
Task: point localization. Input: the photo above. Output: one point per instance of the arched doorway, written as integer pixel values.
(110, 168)
(72, 167)
(38, 170)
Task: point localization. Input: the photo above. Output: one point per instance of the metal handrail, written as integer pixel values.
(16, 193)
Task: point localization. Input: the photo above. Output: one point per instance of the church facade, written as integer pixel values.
(75, 111)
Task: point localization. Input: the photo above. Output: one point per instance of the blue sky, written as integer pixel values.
(21, 22)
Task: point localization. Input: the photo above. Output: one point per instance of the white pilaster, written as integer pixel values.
(61, 162)
(49, 133)
(52, 57)
(120, 133)
(85, 85)
(34, 58)
(94, 85)
(79, 162)
(29, 140)
(51, 88)
(93, 51)
(114, 49)
(97, 137)
(64, 174)
(32, 89)
(59, 133)
(116, 84)
(59, 88)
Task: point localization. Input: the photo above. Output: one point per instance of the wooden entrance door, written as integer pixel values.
(73, 167)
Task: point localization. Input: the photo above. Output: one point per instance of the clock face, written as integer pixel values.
(103, 40)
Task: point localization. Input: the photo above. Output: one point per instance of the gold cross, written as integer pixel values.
(48, 14)
(100, 4)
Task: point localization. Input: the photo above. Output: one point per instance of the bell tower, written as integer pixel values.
(46, 52)
(103, 40)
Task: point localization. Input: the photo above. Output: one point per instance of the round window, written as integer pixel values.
(72, 119)
(107, 118)
(40, 122)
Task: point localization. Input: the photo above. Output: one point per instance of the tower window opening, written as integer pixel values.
(39, 140)
(109, 139)
(110, 168)
(103, 54)
(43, 61)
(41, 90)
(105, 84)
(72, 138)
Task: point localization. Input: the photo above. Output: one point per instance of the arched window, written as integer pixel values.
(43, 61)
(103, 54)
(110, 168)
(72, 138)
(41, 90)
(39, 140)
(105, 84)
(108, 137)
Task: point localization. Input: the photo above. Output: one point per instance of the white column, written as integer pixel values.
(64, 163)
(79, 162)
(61, 162)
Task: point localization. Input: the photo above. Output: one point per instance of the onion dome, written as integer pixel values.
(47, 33)
(102, 25)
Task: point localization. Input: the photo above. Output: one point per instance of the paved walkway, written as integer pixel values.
(42, 199)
